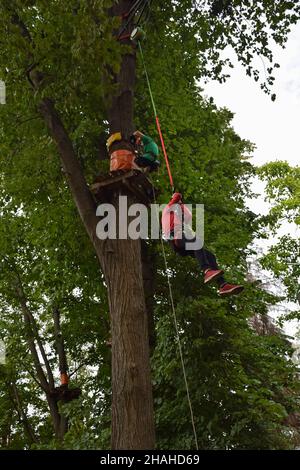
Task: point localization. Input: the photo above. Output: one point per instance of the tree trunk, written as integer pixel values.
(132, 403)
(148, 266)
(63, 366)
(132, 407)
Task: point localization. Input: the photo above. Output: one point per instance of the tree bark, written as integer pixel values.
(132, 406)
(148, 267)
(132, 403)
(59, 342)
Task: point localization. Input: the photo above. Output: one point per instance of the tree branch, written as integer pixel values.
(16, 400)
(32, 331)
(59, 342)
(74, 174)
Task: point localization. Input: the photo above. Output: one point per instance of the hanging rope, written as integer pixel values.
(163, 248)
(138, 5)
(177, 329)
(157, 118)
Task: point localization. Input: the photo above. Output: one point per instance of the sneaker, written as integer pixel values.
(212, 274)
(230, 289)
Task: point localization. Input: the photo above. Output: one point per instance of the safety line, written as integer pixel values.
(157, 118)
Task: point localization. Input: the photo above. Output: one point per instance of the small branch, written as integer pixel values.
(46, 390)
(26, 120)
(77, 369)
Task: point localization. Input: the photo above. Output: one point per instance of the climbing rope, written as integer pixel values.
(176, 327)
(156, 118)
(130, 16)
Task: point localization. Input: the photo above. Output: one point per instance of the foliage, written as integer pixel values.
(238, 380)
(283, 193)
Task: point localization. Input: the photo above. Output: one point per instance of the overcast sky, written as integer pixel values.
(274, 127)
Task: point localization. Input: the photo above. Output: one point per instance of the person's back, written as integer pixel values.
(150, 151)
(174, 217)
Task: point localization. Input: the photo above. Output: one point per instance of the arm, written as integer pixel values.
(175, 199)
(146, 139)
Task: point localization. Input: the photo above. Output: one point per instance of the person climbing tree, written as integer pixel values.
(148, 153)
(176, 223)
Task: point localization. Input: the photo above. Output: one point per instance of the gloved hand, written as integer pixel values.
(176, 197)
(138, 134)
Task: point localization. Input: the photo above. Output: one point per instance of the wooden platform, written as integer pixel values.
(135, 181)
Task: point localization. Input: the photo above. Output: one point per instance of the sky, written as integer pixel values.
(274, 127)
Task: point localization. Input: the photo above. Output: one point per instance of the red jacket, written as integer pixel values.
(172, 219)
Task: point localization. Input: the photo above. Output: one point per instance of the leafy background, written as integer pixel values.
(244, 386)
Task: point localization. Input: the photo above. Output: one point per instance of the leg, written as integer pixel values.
(147, 159)
(209, 265)
(179, 247)
(207, 261)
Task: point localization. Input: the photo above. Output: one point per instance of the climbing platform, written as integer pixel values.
(65, 394)
(134, 181)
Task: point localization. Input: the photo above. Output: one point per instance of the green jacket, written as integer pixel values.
(150, 146)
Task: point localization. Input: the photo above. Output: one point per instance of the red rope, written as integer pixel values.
(164, 151)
